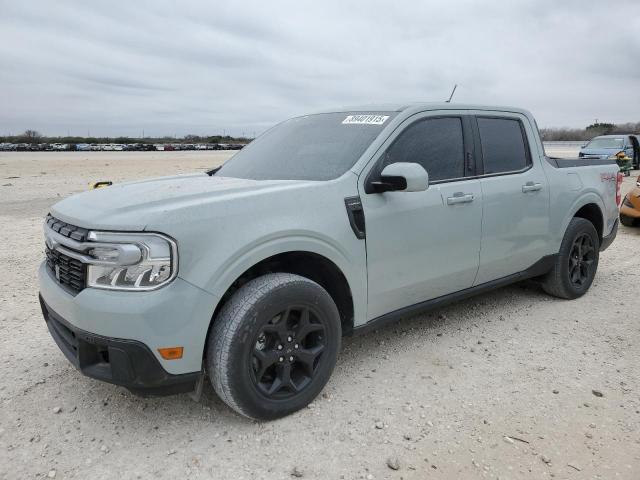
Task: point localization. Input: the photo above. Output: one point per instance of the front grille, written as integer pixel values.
(78, 234)
(68, 271)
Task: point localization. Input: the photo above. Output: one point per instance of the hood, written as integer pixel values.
(601, 152)
(133, 205)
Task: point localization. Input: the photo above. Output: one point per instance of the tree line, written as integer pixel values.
(593, 130)
(547, 134)
(33, 137)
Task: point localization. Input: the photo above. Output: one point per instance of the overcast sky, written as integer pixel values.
(169, 67)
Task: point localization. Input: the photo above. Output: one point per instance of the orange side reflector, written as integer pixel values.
(171, 353)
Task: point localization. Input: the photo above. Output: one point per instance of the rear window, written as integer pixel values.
(313, 147)
(503, 145)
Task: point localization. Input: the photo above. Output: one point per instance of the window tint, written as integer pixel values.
(436, 144)
(313, 147)
(503, 146)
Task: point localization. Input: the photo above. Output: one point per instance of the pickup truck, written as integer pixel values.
(326, 225)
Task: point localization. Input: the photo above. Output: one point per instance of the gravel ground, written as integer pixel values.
(511, 384)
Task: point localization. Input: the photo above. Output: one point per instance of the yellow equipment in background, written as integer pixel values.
(625, 163)
(94, 185)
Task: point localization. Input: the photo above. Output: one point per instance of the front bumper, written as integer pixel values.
(136, 323)
(118, 361)
(629, 211)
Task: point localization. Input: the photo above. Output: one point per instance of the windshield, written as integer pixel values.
(606, 142)
(313, 147)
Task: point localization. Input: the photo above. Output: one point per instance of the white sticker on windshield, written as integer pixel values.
(365, 119)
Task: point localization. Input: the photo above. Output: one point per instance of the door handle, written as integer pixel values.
(531, 187)
(460, 197)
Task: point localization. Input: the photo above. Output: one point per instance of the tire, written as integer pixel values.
(627, 221)
(247, 369)
(576, 263)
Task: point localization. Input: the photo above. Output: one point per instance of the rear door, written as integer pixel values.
(422, 245)
(515, 192)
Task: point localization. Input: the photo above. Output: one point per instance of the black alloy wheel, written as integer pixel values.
(273, 346)
(575, 265)
(581, 260)
(287, 352)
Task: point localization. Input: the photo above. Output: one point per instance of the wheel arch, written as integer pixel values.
(593, 214)
(308, 263)
(591, 208)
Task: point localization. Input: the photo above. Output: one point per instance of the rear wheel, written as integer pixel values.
(273, 346)
(577, 261)
(627, 221)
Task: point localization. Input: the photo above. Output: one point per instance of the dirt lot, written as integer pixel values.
(505, 385)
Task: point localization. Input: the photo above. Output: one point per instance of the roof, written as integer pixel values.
(418, 106)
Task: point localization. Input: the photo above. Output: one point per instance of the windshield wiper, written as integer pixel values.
(213, 171)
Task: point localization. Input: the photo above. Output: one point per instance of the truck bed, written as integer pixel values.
(578, 162)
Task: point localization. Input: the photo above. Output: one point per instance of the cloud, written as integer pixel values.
(203, 67)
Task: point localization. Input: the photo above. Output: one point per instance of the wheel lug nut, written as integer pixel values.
(295, 346)
(282, 359)
(289, 339)
(279, 347)
(291, 359)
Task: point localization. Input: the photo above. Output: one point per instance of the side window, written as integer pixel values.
(435, 143)
(503, 145)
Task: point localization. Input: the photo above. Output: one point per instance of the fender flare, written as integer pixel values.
(584, 199)
(285, 242)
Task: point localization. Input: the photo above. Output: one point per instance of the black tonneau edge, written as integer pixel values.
(578, 162)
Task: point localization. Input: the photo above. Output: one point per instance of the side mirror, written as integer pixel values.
(402, 176)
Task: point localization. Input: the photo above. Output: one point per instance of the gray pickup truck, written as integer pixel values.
(326, 225)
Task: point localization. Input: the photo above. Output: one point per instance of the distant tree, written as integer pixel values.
(600, 128)
(30, 136)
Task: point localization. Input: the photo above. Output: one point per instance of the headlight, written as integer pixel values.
(131, 261)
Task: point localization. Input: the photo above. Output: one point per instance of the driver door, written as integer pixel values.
(423, 245)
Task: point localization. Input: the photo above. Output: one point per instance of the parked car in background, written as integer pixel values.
(611, 146)
(630, 208)
(83, 147)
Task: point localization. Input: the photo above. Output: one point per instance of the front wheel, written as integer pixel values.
(576, 263)
(273, 346)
